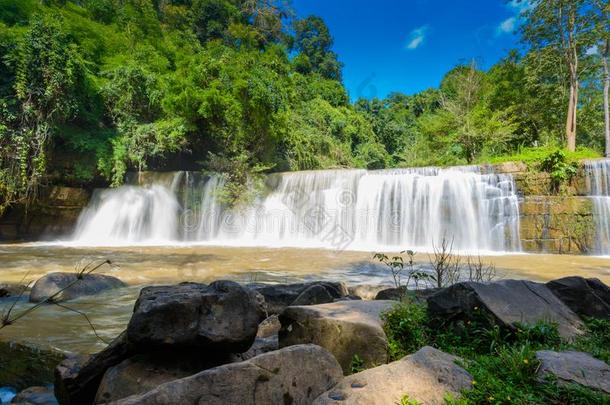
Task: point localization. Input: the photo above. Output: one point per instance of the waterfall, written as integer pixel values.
(598, 182)
(340, 209)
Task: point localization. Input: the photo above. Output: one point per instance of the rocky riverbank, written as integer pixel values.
(310, 343)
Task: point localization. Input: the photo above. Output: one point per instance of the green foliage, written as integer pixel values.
(501, 360)
(557, 165)
(408, 401)
(406, 329)
(356, 365)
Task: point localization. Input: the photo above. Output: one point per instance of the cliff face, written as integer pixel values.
(553, 219)
(53, 215)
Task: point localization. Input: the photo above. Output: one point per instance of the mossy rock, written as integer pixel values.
(23, 366)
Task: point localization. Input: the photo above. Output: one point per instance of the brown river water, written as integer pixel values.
(140, 266)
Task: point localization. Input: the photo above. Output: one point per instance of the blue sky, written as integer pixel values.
(408, 45)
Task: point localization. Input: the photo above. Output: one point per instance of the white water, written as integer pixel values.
(598, 177)
(336, 209)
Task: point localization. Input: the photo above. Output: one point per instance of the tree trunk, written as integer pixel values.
(606, 87)
(571, 118)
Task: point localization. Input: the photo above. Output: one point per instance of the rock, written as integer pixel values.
(144, 372)
(313, 295)
(279, 296)
(223, 316)
(345, 328)
(11, 290)
(399, 293)
(36, 396)
(426, 376)
(25, 365)
(266, 340)
(89, 285)
(574, 367)
(508, 301)
(585, 296)
(294, 375)
(366, 292)
(78, 378)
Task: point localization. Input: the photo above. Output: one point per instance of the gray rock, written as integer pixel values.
(35, 396)
(223, 316)
(11, 290)
(279, 296)
(585, 296)
(314, 295)
(574, 367)
(266, 340)
(426, 376)
(90, 284)
(345, 329)
(294, 375)
(144, 372)
(78, 378)
(26, 365)
(509, 301)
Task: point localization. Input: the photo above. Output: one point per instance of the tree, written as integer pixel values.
(564, 27)
(314, 42)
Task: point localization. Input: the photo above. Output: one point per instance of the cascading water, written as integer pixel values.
(342, 209)
(598, 178)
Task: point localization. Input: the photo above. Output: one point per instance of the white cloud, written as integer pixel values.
(417, 37)
(522, 5)
(507, 26)
(594, 50)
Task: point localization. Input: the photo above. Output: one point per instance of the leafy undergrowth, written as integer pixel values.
(502, 362)
(534, 155)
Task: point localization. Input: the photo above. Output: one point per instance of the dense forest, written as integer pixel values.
(90, 89)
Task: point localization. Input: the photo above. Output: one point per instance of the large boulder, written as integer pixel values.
(426, 376)
(294, 375)
(223, 316)
(345, 328)
(574, 367)
(508, 301)
(72, 286)
(585, 296)
(144, 372)
(77, 378)
(279, 296)
(35, 396)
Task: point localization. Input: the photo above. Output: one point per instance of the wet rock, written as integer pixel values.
(223, 316)
(11, 290)
(23, 366)
(144, 372)
(366, 292)
(77, 378)
(35, 396)
(345, 328)
(279, 296)
(294, 375)
(508, 301)
(574, 367)
(90, 284)
(426, 376)
(585, 296)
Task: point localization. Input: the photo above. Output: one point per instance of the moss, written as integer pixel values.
(24, 366)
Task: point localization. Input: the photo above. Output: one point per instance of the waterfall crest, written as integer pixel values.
(337, 209)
